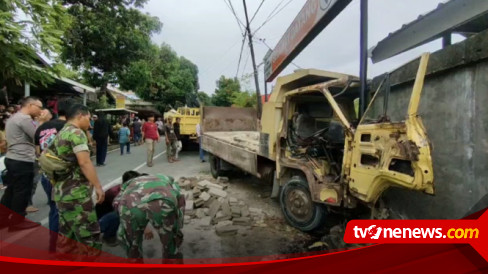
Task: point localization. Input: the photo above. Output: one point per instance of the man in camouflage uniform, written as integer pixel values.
(73, 191)
(151, 199)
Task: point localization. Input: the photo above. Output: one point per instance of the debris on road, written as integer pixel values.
(209, 205)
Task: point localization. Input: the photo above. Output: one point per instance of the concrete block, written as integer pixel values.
(220, 216)
(209, 202)
(244, 221)
(236, 211)
(185, 185)
(189, 206)
(227, 230)
(217, 192)
(212, 185)
(214, 208)
(205, 196)
(205, 222)
(203, 184)
(199, 213)
(233, 201)
(223, 223)
(196, 192)
(245, 211)
(226, 210)
(199, 202)
(206, 211)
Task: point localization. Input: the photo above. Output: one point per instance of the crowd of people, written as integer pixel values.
(136, 131)
(31, 133)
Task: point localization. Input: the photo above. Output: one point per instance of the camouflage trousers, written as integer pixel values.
(79, 225)
(167, 221)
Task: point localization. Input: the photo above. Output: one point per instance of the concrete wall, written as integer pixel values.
(454, 109)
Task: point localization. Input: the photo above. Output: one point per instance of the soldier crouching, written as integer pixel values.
(151, 199)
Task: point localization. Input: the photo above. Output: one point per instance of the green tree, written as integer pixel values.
(226, 87)
(106, 37)
(165, 79)
(244, 99)
(204, 99)
(28, 27)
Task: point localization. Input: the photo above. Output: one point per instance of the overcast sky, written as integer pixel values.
(206, 32)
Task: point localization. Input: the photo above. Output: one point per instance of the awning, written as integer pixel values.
(464, 17)
(116, 111)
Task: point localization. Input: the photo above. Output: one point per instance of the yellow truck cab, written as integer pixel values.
(311, 146)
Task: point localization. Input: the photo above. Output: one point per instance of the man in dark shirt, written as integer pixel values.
(137, 127)
(179, 146)
(101, 132)
(43, 138)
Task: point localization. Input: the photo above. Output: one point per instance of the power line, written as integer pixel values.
(239, 22)
(240, 55)
(260, 5)
(271, 16)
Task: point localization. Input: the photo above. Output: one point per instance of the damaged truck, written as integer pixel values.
(319, 157)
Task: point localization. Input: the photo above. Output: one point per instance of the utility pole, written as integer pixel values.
(363, 71)
(256, 78)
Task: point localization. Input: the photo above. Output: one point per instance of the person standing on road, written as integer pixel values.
(19, 162)
(151, 199)
(160, 125)
(42, 119)
(150, 135)
(199, 135)
(170, 140)
(101, 133)
(124, 138)
(73, 192)
(137, 128)
(44, 137)
(179, 145)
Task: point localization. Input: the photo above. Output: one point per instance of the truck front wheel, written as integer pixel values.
(299, 209)
(215, 167)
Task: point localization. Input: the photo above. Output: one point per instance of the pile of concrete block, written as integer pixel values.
(209, 205)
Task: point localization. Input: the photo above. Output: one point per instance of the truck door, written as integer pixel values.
(391, 151)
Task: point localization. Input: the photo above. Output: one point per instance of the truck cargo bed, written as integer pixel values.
(239, 148)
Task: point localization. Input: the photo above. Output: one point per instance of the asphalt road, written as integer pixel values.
(116, 165)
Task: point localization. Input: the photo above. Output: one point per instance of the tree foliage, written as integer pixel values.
(165, 79)
(106, 37)
(204, 99)
(226, 88)
(26, 28)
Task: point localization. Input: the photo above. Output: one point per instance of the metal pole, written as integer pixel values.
(446, 40)
(265, 91)
(26, 89)
(84, 97)
(256, 77)
(363, 70)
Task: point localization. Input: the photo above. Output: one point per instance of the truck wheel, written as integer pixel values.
(214, 166)
(299, 209)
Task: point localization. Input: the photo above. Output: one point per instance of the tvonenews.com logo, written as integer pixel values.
(375, 232)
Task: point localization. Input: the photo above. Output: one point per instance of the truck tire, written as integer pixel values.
(215, 169)
(299, 209)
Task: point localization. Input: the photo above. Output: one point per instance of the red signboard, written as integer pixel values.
(312, 19)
